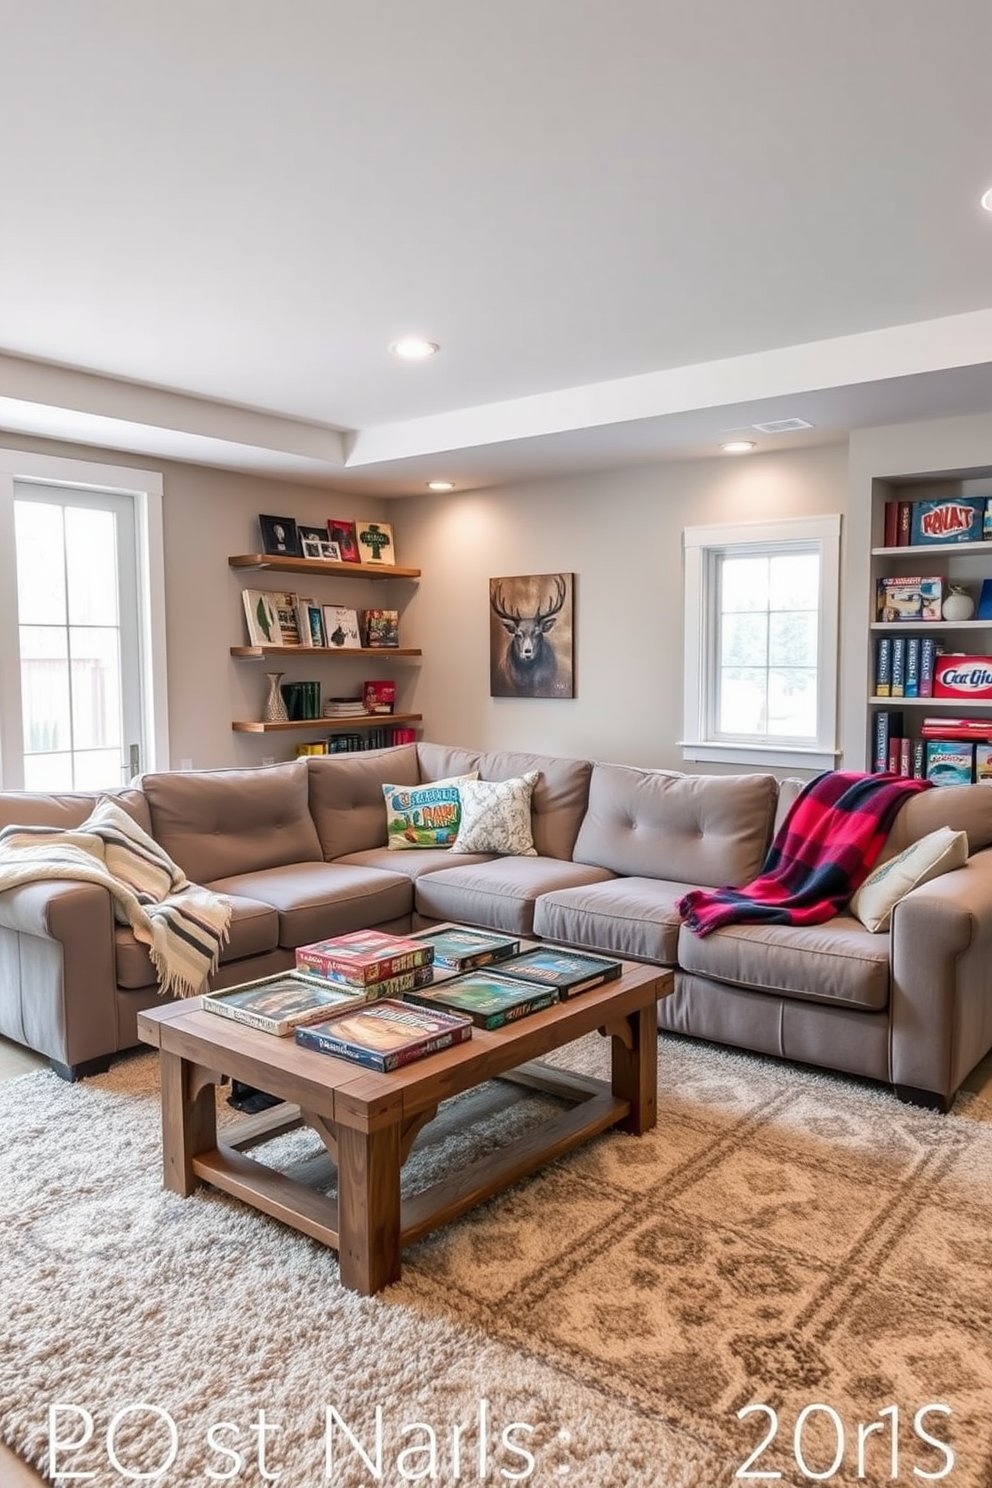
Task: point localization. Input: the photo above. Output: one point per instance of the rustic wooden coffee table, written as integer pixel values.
(368, 1121)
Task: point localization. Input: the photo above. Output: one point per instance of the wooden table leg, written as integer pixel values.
(635, 1069)
(189, 1122)
(369, 1208)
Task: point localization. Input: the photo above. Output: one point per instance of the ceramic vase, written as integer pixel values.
(958, 605)
(275, 706)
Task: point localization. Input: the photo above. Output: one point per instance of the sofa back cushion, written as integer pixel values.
(963, 808)
(442, 761)
(707, 830)
(560, 796)
(66, 810)
(217, 823)
(346, 800)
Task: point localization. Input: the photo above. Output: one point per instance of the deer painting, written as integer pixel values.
(531, 636)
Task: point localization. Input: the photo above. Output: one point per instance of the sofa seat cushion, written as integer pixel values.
(499, 894)
(315, 900)
(411, 864)
(633, 917)
(254, 929)
(838, 961)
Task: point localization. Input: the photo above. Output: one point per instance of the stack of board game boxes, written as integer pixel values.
(383, 1000)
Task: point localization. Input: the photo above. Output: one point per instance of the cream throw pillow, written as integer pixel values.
(881, 891)
(496, 816)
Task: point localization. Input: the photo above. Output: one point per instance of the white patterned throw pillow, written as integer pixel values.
(496, 816)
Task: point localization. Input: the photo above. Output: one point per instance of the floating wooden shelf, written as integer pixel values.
(329, 725)
(256, 653)
(322, 567)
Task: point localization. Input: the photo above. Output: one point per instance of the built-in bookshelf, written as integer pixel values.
(903, 652)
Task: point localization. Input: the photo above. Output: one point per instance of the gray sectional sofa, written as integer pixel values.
(301, 850)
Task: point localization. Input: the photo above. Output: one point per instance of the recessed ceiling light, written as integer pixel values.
(414, 348)
(440, 485)
(738, 446)
(986, 200)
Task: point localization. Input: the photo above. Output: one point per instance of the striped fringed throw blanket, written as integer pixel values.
(183, 925)
(823, 851)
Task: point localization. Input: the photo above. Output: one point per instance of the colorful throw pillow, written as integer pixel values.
(496, 816)
(928, 858)
(424, 815)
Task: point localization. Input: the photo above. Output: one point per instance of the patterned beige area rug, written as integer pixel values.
(793, 1246)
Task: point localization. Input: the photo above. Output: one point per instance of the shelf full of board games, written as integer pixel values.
(930, 635)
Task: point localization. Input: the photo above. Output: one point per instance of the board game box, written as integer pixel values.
(385, 1035)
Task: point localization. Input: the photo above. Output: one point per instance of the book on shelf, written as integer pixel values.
(385, 1035)
(375, 543)
(883, 666)
(344, 707)
(928, 662)
(261, 618)
(983, 762)
(289, 625)
(984, 611)
(489, 999)
(281, 1003)
(904, 523)
(341, 530)
(379, 696)
(364, 956)
(341, 627)
(912, 687)
(890, 528)
(381, 628)
(567, 971)
(919, 759)
(311, 621)
(458, 948)
(888, 725)
(898, 666)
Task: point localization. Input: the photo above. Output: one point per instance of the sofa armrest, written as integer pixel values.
(58, 985)
(941, 1022)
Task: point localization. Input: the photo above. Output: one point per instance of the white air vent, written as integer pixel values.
(782, 426)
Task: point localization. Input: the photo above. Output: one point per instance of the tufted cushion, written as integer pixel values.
(707, 830)
(346, 796)
(217, 822)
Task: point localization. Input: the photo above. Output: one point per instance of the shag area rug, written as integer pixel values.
(791, 1258)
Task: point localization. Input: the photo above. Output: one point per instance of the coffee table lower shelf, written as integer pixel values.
(316, 1215)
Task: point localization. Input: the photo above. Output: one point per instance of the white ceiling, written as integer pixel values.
(632, 225)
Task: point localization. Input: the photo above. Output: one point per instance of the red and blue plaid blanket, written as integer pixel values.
(823, 851)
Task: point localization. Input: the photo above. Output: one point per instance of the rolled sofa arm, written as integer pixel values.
(941, 1022)
(58, 984)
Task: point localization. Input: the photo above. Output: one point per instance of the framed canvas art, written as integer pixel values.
(530, 636)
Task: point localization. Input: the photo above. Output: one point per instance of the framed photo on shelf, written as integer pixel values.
(375, 543)
(342, 531)
(261, 618)
(313, 541)
(341, 628)
(280, 537)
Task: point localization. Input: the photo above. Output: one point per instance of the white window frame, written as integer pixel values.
(702, 546)
(145, 487)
